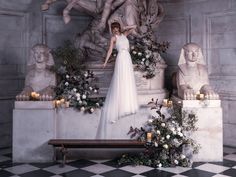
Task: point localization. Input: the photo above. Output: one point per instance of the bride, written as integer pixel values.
(121, 99)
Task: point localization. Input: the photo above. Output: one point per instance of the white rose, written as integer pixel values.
(78, 98)
(90, 88)
(143, 59)
(180, 134)
(83, 96)
(178, 129)
(91, 110)
(95, 91)
(158, 132)
(176, 162)
(160, 165)
(82, 108)
(86, 74)
(156, 144)
(134, 52)
(174, 132)
(182, 156)
(74, 89)
(147, 56)
(77, 95)
(80, 102)
(163, 124)
(165, 146)
(66, 84)
(150, 120)
(132, 47)
(172, 129)
(167, 136)
(97, 104)
(139, 54)
(142, 63)
(67, 76)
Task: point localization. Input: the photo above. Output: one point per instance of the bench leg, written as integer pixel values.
(54, 154)
(64, 154)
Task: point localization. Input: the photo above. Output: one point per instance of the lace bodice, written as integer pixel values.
(122, 43)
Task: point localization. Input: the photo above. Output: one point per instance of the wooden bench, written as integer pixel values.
(65, 144)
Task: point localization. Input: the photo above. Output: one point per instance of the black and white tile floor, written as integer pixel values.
(108, 168)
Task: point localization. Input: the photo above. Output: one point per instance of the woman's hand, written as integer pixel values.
(104, 65)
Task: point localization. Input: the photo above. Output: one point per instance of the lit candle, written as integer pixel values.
(58, 102)
(62, 100)
(149, 137)
(201, 96)
(165, 102)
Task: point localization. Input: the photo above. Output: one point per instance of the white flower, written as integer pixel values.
(156, 144)
(167, 136)
(180, 134)
(74, 89)
(83, 96)
(90, 88)
(77, 95)
(178, 129)
(143, 59)
(158, 132)
(173, 122)
(114, 54)
(147, 56)
(163, 124)
(160, 165)
(85, 74)
(67, 76)
(132, 47)
(134, 52)
(172, 129)
(139, 54)
(91, 110)
(80, 102)
(182, 156)
(165, 146)
(150, 120)
(162, 138)
(174, 132)
(67, 83)
(78, 98)
(176, 162)
(82, 108)
(95, 91)
(97, 104)
(142, 63)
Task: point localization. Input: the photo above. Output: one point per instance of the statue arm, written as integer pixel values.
(129, 29)
(116, 4)
(109, 50)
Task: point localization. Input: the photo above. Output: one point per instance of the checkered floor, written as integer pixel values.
(108, 168)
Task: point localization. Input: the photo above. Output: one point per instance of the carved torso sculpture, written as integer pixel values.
(39, 77)
(192, 76)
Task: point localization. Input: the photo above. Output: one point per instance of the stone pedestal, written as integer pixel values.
(210, 127)
(147, 88)
(33, 126)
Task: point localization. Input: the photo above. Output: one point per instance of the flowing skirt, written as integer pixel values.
(121, 99)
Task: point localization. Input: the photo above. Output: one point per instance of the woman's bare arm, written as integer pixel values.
(129, 29)
(109, 52)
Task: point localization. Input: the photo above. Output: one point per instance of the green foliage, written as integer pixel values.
(75, 83)
(171, 143)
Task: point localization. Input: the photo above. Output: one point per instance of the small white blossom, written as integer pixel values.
(167, 136)
(158, 132)
(180, 134)
(78, 98)
(67, 83)
(90, 88)
(163, 138)
(132, 47)
(139, 54)
(91, 110)
(147, 56)
(80, 102)
(143, 59)
(174, 132)
(83, 96)
(134, 52)
(142, 63)
(182, 156)
(82, 108)
(85, 74)
(150, 120)
(77, 95)
(178, 129)
(74, 89)
(97, 104)
(67, 76)
(172, 129)
(163, 124)
(165, 146)
(156, 144)
(95, 91)
(160, 165)
(176, 162)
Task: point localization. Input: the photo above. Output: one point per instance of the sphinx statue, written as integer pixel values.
(93, 42)
(39, 78)
(192, 76)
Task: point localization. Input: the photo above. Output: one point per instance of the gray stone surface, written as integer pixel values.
(25, 19)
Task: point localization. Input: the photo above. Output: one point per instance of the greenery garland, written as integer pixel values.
(171, 143)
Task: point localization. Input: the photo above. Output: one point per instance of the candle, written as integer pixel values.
(165, 102)
(67, 104)
(201, 96)
(149, 137)
(58, 102)
(62, 100)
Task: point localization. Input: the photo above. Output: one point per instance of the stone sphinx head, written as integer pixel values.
(191, 53)
(40, 57)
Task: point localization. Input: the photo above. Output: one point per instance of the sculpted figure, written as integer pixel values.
(192, 76)
(39, 77)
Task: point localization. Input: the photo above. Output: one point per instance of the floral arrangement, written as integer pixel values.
(75, 83)
(145, 54)
(167, 136)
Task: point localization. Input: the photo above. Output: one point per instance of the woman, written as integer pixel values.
(121, 99)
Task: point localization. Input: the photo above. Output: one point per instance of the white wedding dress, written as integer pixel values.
(121, 99)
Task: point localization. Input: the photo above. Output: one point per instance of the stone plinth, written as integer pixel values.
(33, 126)
(210, 127)
(147, 88)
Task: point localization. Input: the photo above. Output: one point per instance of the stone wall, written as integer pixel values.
(210, 23)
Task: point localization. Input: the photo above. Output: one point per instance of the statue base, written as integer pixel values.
(210, 127)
